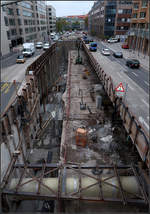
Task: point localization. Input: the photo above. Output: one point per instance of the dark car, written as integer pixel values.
(93, 46)
(87, 41)
(118, 54)
(133, 63)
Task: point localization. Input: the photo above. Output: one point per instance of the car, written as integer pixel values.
(112, 40)
(93, 46)
(39, 45)
(87, 41)
(46, 46)
(118, 54)
(20, 59)
(105, 52)
(125, 46)
(133, 63)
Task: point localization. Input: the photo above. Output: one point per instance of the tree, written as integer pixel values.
(61, 25)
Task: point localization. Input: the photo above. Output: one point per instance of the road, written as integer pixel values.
(11, 71)
(137, 97)
(139, 76)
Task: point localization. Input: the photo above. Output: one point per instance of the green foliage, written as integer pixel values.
(61, 25)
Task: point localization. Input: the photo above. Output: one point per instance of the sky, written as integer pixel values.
(66, 8)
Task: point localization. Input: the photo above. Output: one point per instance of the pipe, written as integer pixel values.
(129, 184)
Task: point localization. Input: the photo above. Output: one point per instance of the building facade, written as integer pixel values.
(123, 18)
(5, 41)
(109, 18)
(25, 21)
(51, 19)
(138, 38)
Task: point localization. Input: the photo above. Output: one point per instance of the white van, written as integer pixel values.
(28, 49)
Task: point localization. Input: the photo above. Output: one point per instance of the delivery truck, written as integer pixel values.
(28, 49)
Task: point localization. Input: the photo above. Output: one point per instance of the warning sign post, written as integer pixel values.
(120, 90)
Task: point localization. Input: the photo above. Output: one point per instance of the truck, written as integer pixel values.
(28, 49)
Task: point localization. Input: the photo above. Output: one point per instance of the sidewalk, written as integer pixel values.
(15, 51)
(144, 60)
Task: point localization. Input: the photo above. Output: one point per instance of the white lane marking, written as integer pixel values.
(143, 121)
(119, 75)
(146, 83)
(131, 88)
(145, 103)
(134, 74)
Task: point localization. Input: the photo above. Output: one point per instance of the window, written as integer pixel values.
(50, 14)
(6, 20)
(19, 22)
(20, 31)
(27, 13)
(120, 11)
(123, 19)
(128, 20)
(26, 5)
(134, 15)
(8, 35)
(142, 14)
(25, 22)
(50, 9)
(12, 22)
(144, 3)
(18, 12)
(26, 30)
(10, 11)
(135, 5)
(13, 32)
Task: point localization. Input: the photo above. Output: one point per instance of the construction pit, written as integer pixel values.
(82, 159)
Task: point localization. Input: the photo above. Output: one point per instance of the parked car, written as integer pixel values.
(112, 40)
(118, 54)
(125, 46)
(46, 46)
(39, 45)
(93, 46)
(133, 63)
(105, 52)
(20, 59)
(87, 41)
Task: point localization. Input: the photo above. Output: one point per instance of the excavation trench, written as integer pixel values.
(107, 142)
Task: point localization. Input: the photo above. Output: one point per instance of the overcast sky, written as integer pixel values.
(66, 8)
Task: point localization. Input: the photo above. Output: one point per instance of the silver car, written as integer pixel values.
(46, 46)
(105, 52)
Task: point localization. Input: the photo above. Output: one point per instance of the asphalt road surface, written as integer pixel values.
(139, 76)
(11, 71)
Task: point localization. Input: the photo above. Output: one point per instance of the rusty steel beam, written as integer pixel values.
(55, 165)
(140, 184)
(120, 186)
(33, 196)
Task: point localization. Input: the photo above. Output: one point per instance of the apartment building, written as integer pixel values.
(41, 20)
(51, 19)
(25, 21)
(110, 18)
(102, 18)
(138, 38)
(76, 22)
(123, 18)
(5, 42)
